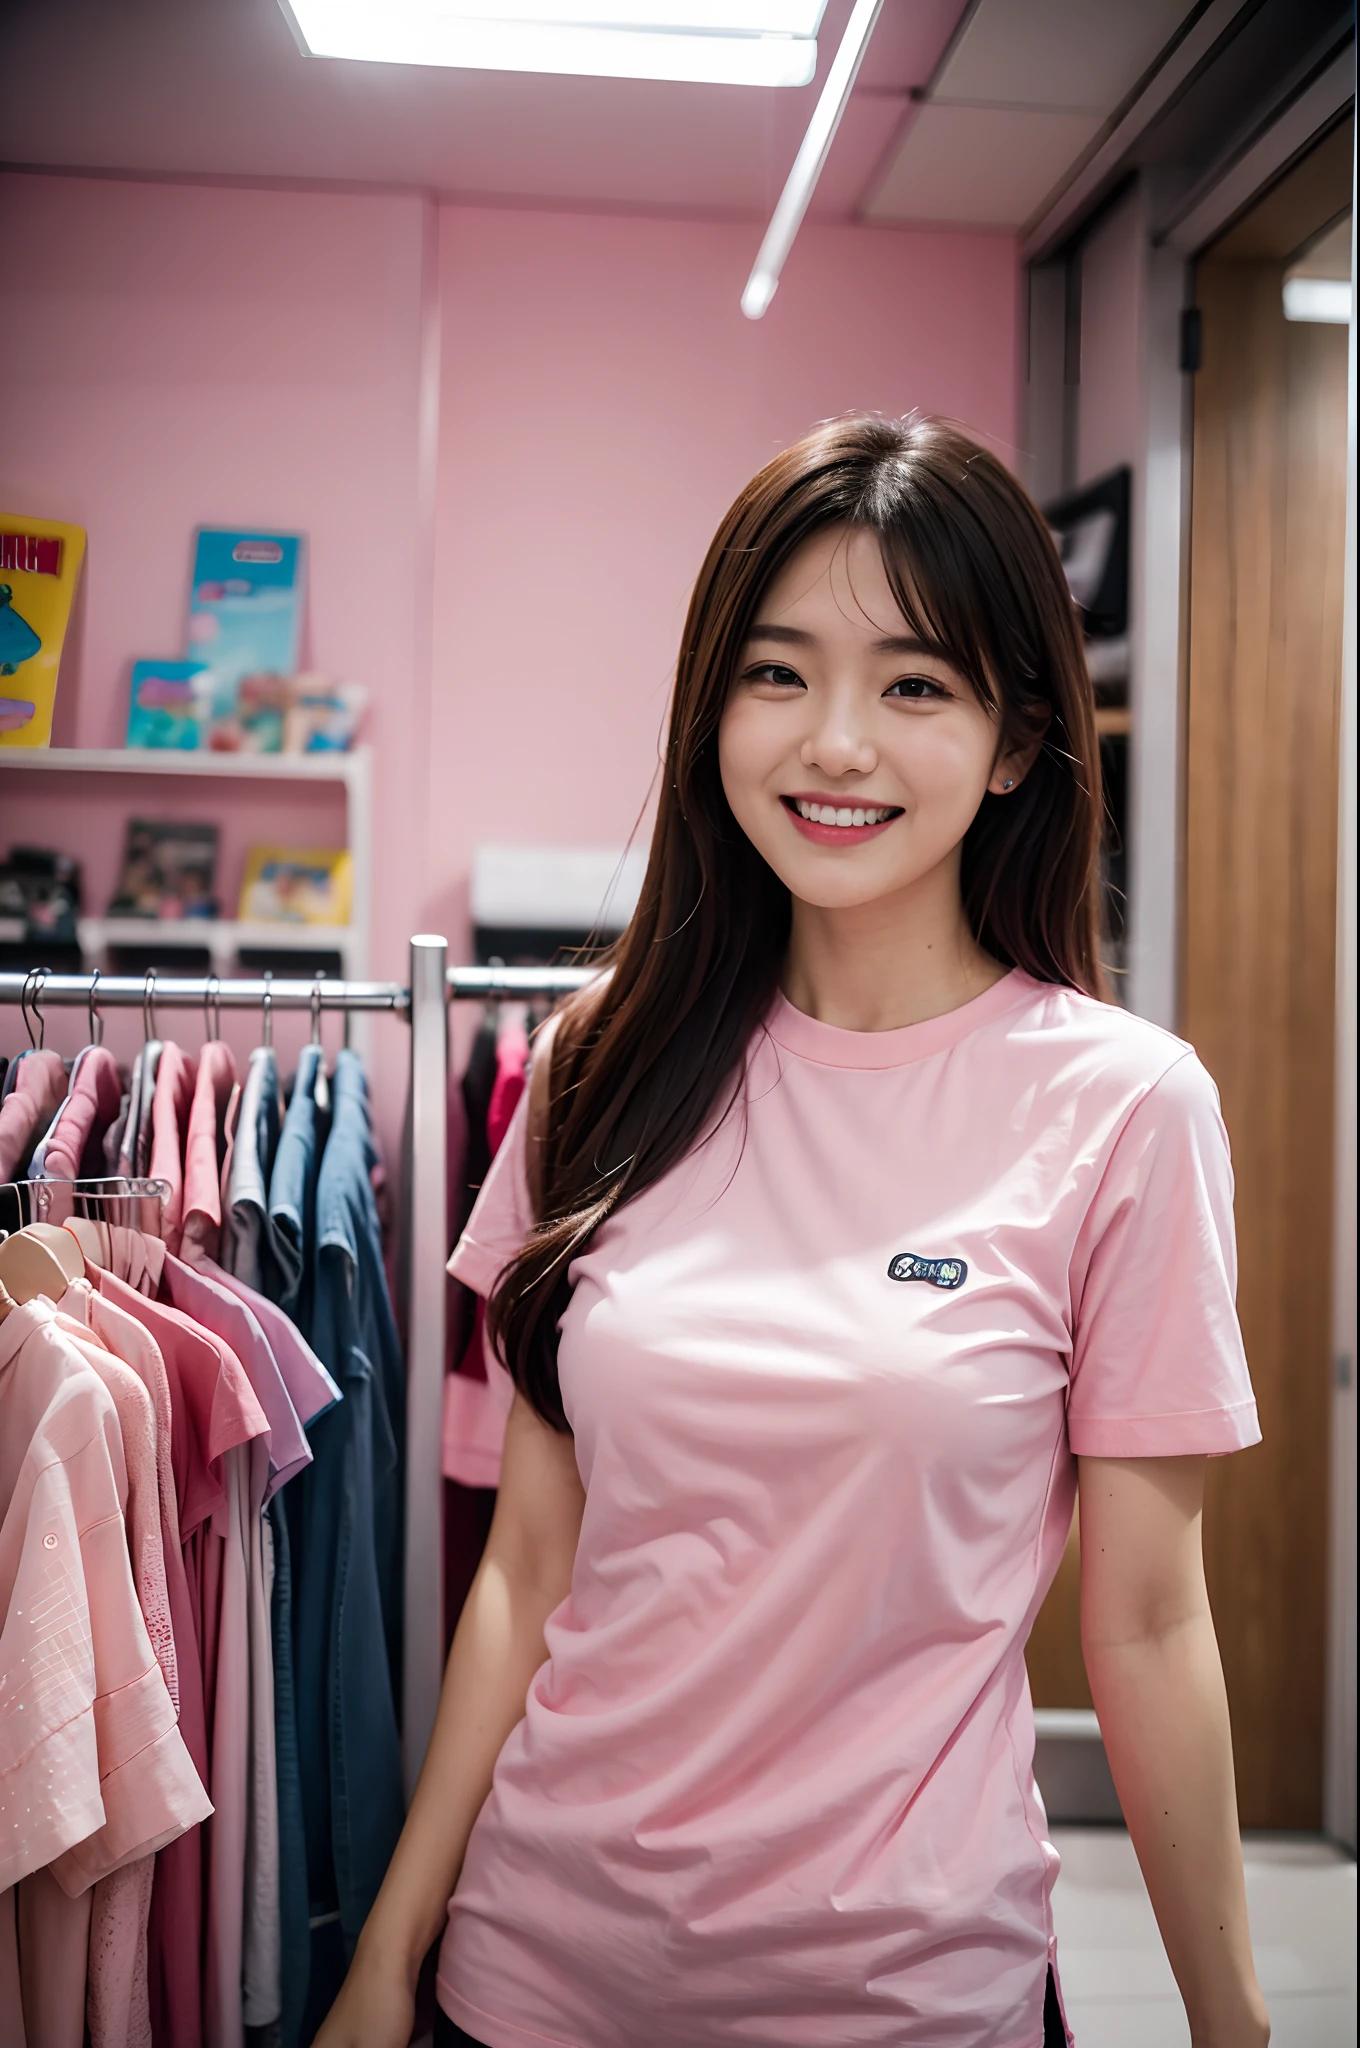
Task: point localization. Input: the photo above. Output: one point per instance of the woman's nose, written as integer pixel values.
(838, 745)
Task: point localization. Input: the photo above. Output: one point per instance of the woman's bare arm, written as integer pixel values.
(1157, 1682)
(524, 1574)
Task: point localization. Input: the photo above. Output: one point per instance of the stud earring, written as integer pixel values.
(1008, 785)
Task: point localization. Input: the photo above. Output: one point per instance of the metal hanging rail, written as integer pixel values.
(38, 990)
(434, 985)
(467, 984)
(424, 1004)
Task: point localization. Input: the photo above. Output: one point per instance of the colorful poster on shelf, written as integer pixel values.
(245, 626)
(169, 705)
(286, 885)
(39, 568)
(168, 871)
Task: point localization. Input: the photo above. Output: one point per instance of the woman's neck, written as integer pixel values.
(881, 965)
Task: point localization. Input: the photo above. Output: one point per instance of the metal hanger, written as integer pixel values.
(95, 1014)
(38, 987)
(149, 1005)
(32, 993)
(267, 1012)
(321, 1093)
(212, 1007)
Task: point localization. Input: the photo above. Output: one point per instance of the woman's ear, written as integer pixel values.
(1018, 754)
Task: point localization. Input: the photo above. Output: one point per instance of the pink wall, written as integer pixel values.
(602, 401)
(177, 355)
(509, 436)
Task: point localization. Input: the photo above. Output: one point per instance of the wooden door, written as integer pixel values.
(1266, 572)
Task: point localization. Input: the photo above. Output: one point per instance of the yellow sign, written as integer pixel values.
(39, 568)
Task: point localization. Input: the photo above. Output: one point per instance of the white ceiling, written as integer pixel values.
(219, 88)
(1026, 89)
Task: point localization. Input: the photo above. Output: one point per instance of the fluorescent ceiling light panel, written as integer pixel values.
(1327, 299)
(705, 42)
(813, 151)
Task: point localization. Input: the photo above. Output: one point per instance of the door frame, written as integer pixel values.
(1165, 590)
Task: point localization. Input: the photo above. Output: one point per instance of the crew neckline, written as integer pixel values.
(833, 1045)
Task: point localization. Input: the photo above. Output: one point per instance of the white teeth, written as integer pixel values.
(842, 815)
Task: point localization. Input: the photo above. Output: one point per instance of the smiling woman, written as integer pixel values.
(882, 617)
(840, 1223)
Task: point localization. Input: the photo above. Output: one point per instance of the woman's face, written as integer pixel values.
(853, 760)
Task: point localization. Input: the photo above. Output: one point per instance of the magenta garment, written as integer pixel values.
(828, 1380)
(30, 1106)
(176, 1076)
(205, 1148)
(512, 1066)
(478, 1397)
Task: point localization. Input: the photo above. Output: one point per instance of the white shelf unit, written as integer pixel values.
(224, 937)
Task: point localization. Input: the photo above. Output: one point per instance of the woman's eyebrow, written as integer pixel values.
(794, 636)
(786, 636)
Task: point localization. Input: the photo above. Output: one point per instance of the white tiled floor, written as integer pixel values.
(1119, 1990)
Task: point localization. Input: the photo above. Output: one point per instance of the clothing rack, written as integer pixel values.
(424, 1004)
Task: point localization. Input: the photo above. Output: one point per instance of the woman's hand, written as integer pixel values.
(376, 2007)
(1157, 1683)
(1247, 2028)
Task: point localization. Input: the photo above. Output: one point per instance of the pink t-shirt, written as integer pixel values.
(773, 1785)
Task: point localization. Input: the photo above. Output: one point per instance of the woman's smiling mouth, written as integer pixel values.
(829, 822)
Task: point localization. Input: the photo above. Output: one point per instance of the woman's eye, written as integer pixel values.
(917, 688)
(775, 672)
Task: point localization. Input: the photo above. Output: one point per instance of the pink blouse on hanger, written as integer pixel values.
(176, 1077)
(213, 1089)
(94, 1773)
(91, 1105)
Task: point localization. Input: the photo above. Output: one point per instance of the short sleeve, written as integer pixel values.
(1158, 1369)
(502, 1216)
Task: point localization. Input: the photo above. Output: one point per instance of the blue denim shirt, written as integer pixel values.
(345, 1530)
(292, 1194)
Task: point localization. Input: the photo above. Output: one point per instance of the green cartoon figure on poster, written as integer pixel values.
(18, 641)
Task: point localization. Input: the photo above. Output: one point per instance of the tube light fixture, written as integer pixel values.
(1318, 298)
(707, 42)
(813, 151)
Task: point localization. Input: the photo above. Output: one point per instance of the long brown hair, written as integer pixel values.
(641, 1065)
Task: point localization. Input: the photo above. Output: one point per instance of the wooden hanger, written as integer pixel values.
(33, 1264)
(92, 1239)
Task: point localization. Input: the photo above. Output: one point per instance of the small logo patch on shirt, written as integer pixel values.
(939, 1272)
